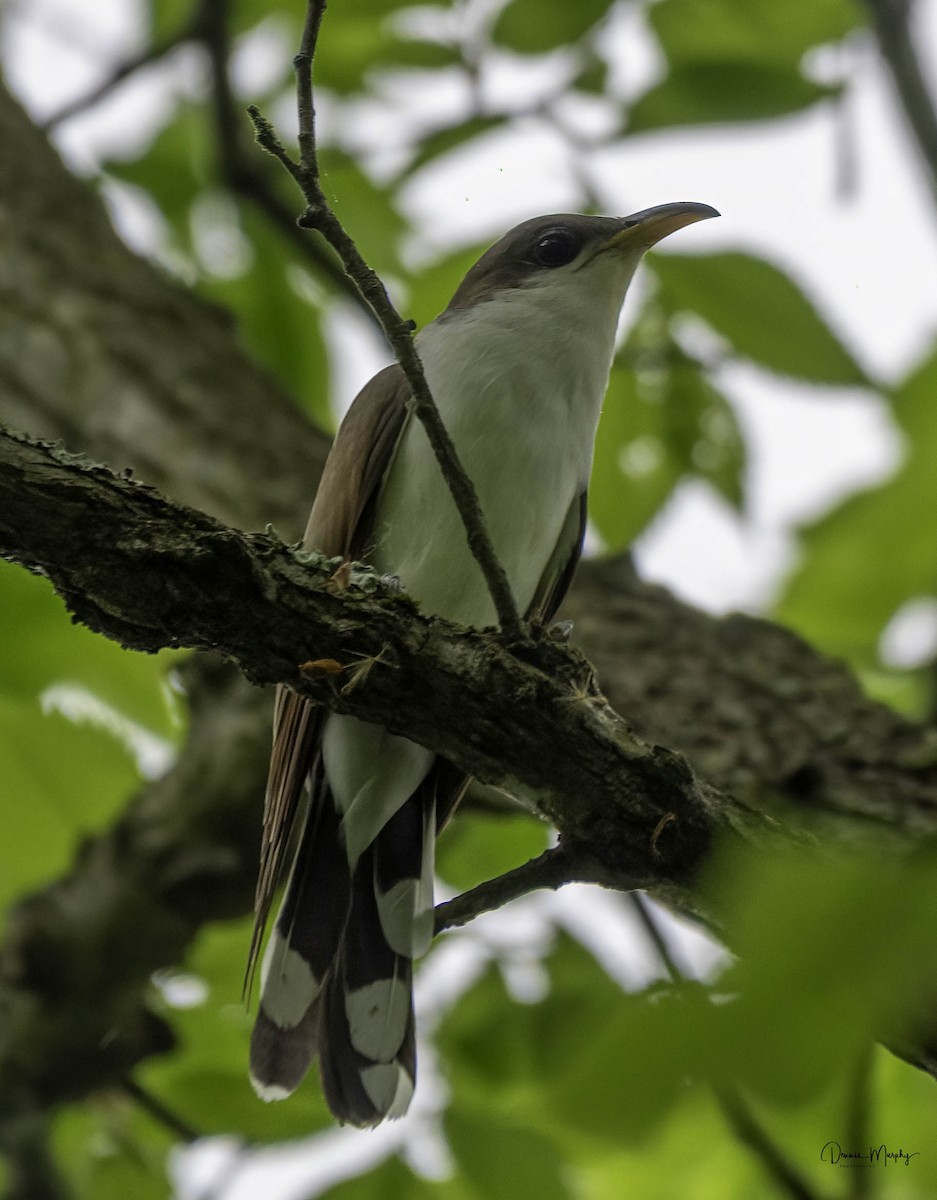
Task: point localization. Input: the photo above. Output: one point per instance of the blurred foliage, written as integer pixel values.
(68, 772)
(845, 592)
(589, 1092)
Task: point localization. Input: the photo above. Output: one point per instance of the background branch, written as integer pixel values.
(892, 26)
(553, 869)
(249, 178)
(152, 53)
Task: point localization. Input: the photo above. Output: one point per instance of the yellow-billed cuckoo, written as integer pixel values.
(518, 365)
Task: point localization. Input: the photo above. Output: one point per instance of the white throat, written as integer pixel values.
(519, 381)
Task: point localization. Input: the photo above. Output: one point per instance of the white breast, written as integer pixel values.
(519, 382)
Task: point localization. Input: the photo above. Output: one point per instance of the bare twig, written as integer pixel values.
(145, 58)
(857, 1120)
(552, 869)
(159, 1112)
(749, 1130)
(737, 1112)
(643, 912)
(319, 216)
(891, 23)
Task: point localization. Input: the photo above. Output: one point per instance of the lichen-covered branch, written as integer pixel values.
(150, 573)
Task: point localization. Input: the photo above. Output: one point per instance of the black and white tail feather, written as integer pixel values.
(336, 978)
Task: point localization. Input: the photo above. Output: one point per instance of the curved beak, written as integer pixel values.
(644, 229)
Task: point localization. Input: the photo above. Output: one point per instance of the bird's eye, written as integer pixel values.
(556, 248)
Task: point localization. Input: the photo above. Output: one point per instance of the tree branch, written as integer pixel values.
(749, 1130)
(734, 1107)
(150, 573)
(319, 216)
(891, 23)
(104, 350)
(160, 1113)
(151, 53)
(552, 869)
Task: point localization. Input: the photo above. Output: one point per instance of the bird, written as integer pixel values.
(518, 364)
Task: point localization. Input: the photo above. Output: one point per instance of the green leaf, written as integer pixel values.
(691, 1154)
(439, 143)
(478, 847)
(693, 30)
(832, 954)
(877, 549)
(205, 1079)
(760, 311)
(60, 782)
(593, 77)
(708, 93)
(432, 56)
(503, 1159)
(167, 17)
(174, 169)
(662, 420)
(365, 208)
(359, 39)
(281, 326)
(537, 26)
(502, 1053)
(392, 1180)
(108, 1149)
(48, 649)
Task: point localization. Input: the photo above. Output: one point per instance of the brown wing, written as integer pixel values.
(339, 524)
(356, 465)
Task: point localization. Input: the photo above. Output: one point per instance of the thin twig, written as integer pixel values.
(159, 1112)
(857, 1120)
(738, 1114)
(891, 23)
(553, 869)
(643, 912)
(319, 216)
(304, 62)
(145, 58)
(749, 1130)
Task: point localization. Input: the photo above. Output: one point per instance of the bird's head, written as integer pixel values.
(579, 260)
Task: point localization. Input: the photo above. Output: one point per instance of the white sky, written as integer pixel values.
(868, 260)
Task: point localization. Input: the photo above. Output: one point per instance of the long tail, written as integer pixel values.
(337, 974)
(301, 951)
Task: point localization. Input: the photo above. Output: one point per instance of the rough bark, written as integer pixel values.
(110, 354)
(524, 716)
